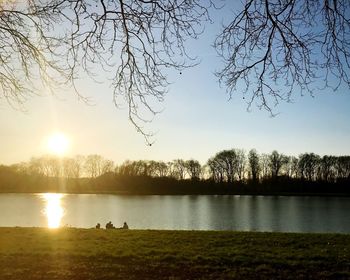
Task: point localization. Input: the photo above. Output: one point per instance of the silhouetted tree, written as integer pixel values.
(228, 164)
(53, 165)
(241, 163)
(49, 166)
(291, 167)
(133, 168)
(254, 164)
(149, 168)
(68, 168)
(327, 165)
(276, 162)
(265, 165)
(96, 165)
(124, 168)
(343, 167)
(161, 169)
(193, 169)
(216, 169)
(178, 169)
(92, 165)
(77, 165)
(308, 165)
(34, 167)
(107, 166)
(228, 161)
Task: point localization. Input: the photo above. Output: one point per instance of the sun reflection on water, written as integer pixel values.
(53, 209)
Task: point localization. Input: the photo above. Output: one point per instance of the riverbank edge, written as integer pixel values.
(74, 253)
(190, 194)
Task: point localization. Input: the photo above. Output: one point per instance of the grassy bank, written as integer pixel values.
(37, 253)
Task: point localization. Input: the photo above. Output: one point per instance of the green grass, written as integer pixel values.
(68, 253)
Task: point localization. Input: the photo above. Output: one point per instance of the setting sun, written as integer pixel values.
(57, 143)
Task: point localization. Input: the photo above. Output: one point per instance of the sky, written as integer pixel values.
(197, 120)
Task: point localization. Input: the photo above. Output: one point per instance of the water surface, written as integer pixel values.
(199, 212)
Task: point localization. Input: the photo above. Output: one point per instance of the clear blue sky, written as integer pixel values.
(197, 120)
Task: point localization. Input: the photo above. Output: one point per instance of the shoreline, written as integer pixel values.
(172, 230)
(123, 193)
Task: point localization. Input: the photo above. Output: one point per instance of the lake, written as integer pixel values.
(197, 212)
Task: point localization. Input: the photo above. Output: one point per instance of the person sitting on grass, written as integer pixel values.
(109, 225)
(125, 226)
(98, 226)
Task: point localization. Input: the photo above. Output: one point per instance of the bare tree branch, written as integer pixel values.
(270, 49)
(133, 41)
(274, 48)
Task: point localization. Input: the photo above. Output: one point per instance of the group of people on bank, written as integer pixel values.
(109, 225)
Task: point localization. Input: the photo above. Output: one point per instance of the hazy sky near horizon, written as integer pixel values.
(197, 120)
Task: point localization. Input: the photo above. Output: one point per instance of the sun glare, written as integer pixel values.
(57, 143)
(53, 209)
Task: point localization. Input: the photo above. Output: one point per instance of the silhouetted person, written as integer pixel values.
(98, 225)
(125, 226)
(109, 225)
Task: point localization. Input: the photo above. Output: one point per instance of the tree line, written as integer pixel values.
(226, 166)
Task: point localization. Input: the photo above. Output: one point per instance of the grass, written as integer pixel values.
(68, 253)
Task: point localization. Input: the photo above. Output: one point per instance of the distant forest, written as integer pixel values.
(228, 172)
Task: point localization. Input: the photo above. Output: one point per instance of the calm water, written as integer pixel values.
(248, 213)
